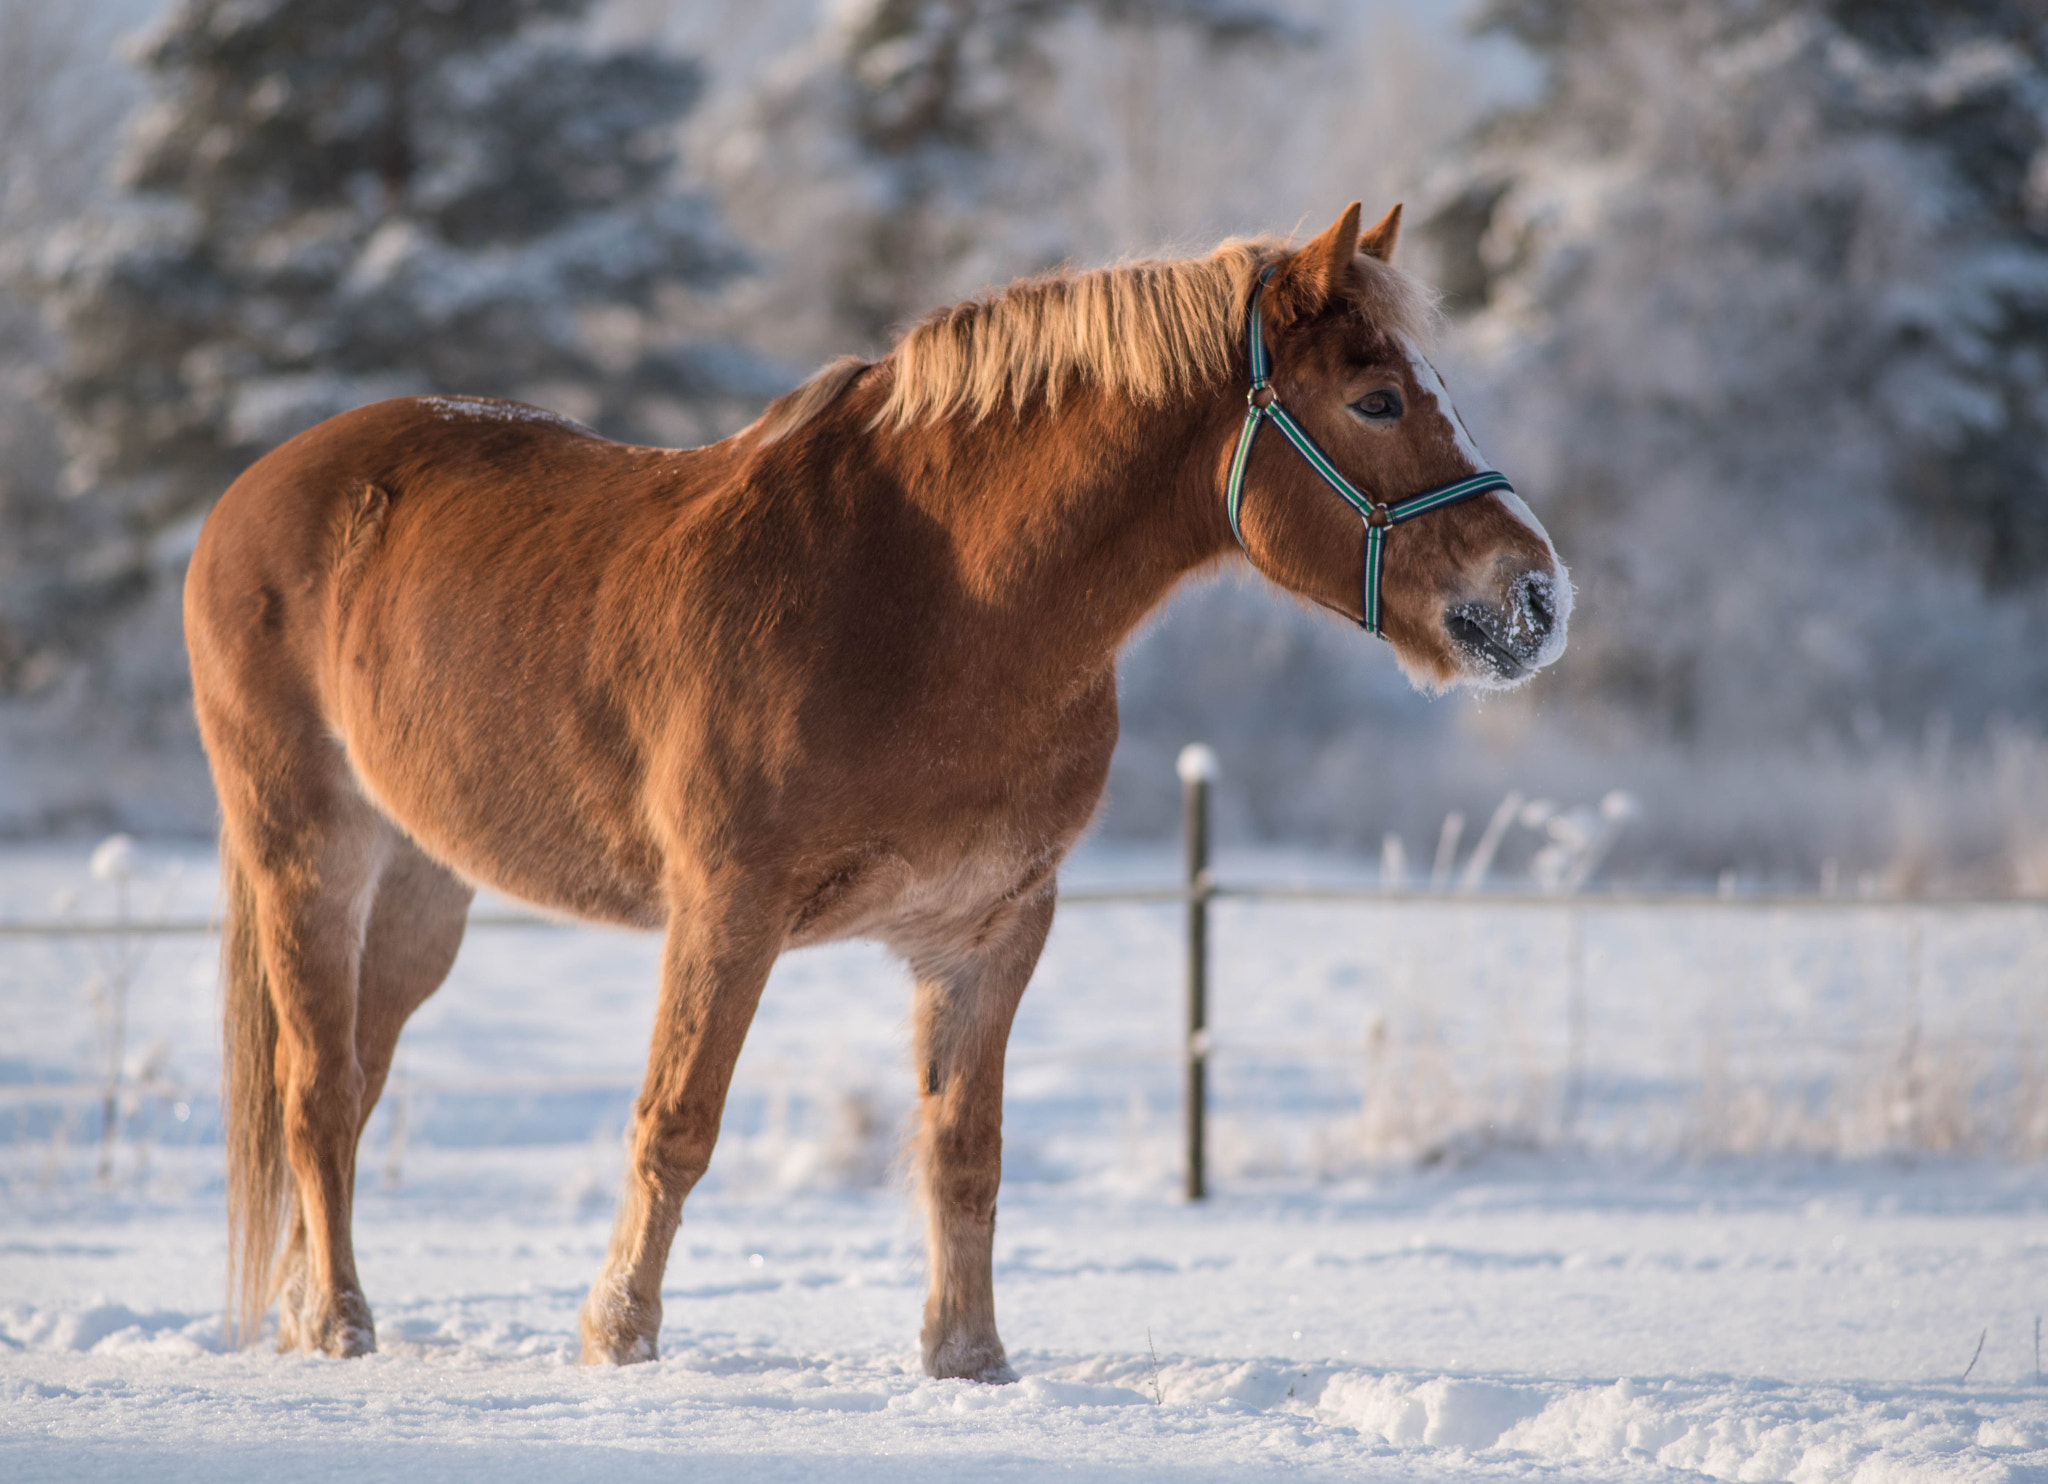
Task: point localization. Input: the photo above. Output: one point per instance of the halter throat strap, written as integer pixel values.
(1263, 406)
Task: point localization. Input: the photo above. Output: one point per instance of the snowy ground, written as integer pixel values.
(1579, 1284)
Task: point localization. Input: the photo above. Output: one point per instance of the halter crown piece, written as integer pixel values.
(1380, 516)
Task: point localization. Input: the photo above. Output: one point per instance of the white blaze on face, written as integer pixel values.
(1561, 585)
(1426, 378)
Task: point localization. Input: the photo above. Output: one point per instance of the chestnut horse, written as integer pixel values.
(849, 673)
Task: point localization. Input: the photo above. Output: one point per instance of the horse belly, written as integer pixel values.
(499, 771)
(883, 894)
(521, 837)
(956, 857)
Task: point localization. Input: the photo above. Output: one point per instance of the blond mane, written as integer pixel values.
(1150, 330)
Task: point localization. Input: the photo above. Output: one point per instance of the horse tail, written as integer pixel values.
(252, 1109)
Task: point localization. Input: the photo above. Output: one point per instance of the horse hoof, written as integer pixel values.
(629, 1348)
(630, 1351)
(349, 1331)
(342, 1328)
(984, 1363)
(347, 1341)
(344, 1339)
(616, 1328)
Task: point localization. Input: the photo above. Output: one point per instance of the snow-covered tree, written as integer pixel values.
(61, 103)
(357, 197)
(331, 201)
(905, 157)
(1760, 291)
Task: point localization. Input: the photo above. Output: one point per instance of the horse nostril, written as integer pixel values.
(1468, 632)
(1476, 628)
(1539, 604)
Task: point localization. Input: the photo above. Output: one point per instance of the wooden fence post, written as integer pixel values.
(1197, 768)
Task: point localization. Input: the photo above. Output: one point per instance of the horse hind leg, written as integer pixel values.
(302, 872)
(417, 915)
(963, 1012)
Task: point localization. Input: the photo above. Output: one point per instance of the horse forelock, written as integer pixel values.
(1394, 302)
(1151, 331)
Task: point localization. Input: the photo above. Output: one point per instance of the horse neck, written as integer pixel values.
(1078, 521)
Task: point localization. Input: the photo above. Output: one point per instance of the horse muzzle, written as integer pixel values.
(1507, 641)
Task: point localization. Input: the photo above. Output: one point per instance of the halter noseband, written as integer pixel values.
(1264, 406)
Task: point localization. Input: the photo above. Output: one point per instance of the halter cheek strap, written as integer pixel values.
(1380, 516)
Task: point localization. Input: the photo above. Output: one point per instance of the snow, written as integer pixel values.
(491, 409)
(1592, 1302)
(1509, 1326)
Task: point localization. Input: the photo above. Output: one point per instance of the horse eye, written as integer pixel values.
(1379, 406)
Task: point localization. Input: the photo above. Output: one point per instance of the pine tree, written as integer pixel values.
(333, 201)
(369, 196)
(1762, 291)
(911, 139)
(62, 100)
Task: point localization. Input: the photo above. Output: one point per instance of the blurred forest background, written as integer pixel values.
(1750, 297)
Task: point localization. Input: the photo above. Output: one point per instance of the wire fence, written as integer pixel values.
(1264, 1028)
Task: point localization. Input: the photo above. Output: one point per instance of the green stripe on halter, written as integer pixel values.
(1379, 516)
(1375, 565)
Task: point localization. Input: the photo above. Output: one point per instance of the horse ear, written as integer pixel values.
(1380, 237)
(1307, 280)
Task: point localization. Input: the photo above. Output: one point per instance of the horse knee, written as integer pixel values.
(674, 1153)
(956, 1141)
(962, 1175)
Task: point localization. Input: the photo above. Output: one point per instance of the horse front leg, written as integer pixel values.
(965, 1004)
(720, 947)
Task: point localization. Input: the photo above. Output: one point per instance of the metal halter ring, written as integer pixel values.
(1262, 396)
(1379, 517)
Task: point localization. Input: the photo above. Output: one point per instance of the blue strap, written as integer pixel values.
(1264, 406)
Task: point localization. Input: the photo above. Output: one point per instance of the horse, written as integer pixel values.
(850, 672)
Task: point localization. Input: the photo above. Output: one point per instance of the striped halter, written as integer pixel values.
(1379, 515)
